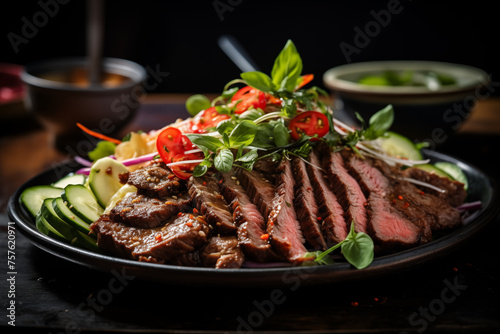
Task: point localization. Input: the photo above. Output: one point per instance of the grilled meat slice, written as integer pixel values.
(206, 197)
(183, 234)
(282, 225)
(222, 252)
(454, 193)
(345, 187)
(147, 212)
(305, 205)
(260, 190)
(247, 217)
(443, 216)
(392, 226)
(333, 224)
(156, 180)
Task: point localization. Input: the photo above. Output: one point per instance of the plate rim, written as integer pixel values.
(246, 277)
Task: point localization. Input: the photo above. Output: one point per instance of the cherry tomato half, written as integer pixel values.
(310, 123)
(250, 98)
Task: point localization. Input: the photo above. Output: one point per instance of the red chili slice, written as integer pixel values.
(250, 98)
(208, 118)
(310, 123)
(184, 171)
(306, 78)
(170, 143)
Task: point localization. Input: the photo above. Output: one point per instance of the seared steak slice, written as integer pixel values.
(183, 234)
(443, 216)
(333, 224)
(247, 217)
(390, 225)
(345, 187)
(191, 259)
(305, 205)
(454, 194)
(156, 180)
(282, 225)
(147, 212)
(204, 192)
(222, 252)
(260, 189)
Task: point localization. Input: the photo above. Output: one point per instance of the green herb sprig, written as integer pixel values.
(357, 248)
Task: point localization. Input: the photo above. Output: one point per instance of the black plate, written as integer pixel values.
(480, 188)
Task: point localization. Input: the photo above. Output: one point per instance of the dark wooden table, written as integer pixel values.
(457, 293)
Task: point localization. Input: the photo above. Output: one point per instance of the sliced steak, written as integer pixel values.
(333, 224)
(305, 205)
(205, 194)
(156, 180)
(260, 189)
(443, 216)
(247, 217)
(282, 225)
(345, 187)
(147, 212)
(391, 226)
(191, 259)
(222, 252)
(183, 234)
(454, 192)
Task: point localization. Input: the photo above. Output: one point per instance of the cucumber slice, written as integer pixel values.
(62, 210)
(70, 179)
(399, 146)
(32, 198)
(433, 169)
(67, 231)
(86, 241)
(454, 171)
(82, 202)
(47, 211)
(44, 227)
(104, 179)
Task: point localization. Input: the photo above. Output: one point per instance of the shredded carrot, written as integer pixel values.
(97, 134)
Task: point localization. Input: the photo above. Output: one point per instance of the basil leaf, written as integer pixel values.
(258, 80)
(209, 142)
(281, 135)
(196, 103)
(264, 136)
(228, 94)
(200, 170)
(357, 248)
(243, 134)
(223, 161)
(287, 66)
(380, 123)
(249, 156)
(225, 140)
(225, 126)
(251, 114)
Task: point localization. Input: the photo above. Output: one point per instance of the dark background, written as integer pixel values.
(180, 37)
